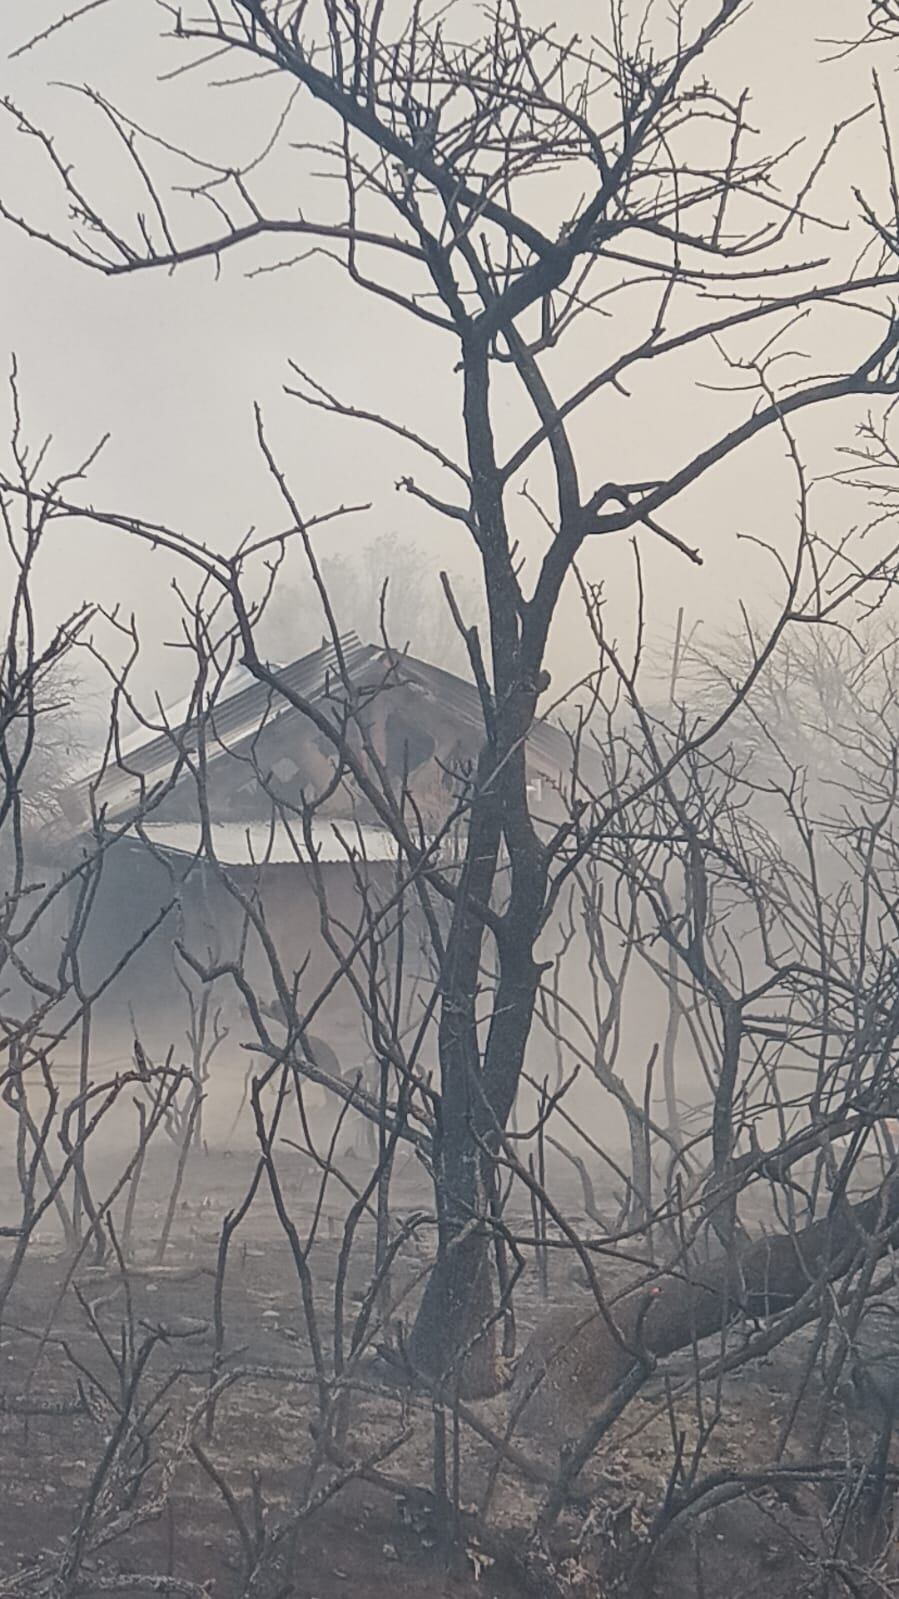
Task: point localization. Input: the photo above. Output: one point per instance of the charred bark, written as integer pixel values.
(577, 1357)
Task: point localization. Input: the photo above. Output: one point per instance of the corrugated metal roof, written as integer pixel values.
(239, 717)
(142, 737)
(464, 701)
(230, 722)
(238, 844)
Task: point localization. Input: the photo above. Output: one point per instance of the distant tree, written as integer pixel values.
(43, 735)
(390, 586)
(60, 742)
(811, 704)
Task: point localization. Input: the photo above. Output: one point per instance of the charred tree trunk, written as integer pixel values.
(458, 1294)
(454, 1334)
(576, 1359)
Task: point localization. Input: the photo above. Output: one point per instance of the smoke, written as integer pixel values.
(385, 588)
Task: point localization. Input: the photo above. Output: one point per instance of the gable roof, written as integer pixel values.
(143, 759)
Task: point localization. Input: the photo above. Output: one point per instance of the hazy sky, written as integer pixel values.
(171, 365)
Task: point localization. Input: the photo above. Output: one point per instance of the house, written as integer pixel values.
(247, 812)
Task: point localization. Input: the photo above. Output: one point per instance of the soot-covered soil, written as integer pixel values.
(61, 1349)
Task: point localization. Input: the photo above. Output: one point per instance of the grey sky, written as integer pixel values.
(171, 365)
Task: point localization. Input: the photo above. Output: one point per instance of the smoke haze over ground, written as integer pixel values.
(449, 832)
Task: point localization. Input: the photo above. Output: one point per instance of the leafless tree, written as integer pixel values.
(883, 19)
(448, 147)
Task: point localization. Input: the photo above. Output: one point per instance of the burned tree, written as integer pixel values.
(498, 189)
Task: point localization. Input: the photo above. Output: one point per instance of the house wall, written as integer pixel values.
(209, 922)
(148, 998)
